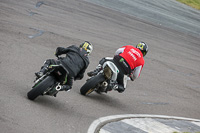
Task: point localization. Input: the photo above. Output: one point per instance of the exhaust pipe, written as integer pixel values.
(58, 87)
(105, 84)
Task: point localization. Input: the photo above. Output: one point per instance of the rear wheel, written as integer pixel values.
(90, 85)
(40, 87)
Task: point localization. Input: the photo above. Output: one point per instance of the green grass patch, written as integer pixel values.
(185, 132)
(193, 3)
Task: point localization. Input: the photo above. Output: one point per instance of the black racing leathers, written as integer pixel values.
(76, 60)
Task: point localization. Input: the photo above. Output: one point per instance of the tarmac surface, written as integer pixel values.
(168, 13)
(141, 123)
(30, 32)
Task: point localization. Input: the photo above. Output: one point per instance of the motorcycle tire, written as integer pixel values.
(90, 85)
(40, 87)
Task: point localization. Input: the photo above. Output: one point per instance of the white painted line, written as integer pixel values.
(149, 125)
(196, 123)
(97, 124)
(103, 131)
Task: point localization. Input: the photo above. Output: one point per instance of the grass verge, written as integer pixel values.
(193, 3)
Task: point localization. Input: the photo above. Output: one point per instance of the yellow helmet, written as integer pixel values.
(143, 47)
(87, 46)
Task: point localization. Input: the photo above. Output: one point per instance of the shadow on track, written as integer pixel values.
(107, 100)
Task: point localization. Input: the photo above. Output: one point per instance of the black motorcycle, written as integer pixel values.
(50, 83)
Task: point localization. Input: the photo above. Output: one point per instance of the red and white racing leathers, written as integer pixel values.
(133, 57)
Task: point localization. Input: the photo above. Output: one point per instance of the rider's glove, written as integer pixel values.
(57, 53)
(131, 76)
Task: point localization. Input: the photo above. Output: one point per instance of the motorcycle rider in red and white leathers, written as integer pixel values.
(129, 61)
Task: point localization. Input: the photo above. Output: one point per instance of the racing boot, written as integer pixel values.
(65, 88)
(120, 89)
(95, 72)
(41, 72)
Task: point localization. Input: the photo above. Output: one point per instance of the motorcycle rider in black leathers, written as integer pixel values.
(76, 62)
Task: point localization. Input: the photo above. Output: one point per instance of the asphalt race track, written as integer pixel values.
(30, 31)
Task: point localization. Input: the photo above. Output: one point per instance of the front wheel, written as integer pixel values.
(40, 87)
(90, 85)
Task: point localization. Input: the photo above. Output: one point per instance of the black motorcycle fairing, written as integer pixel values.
(59, 72)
